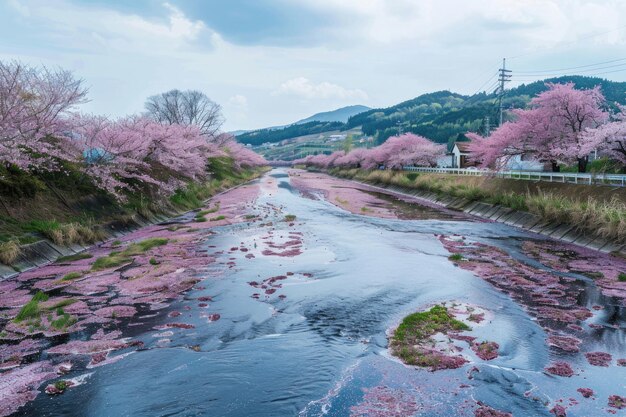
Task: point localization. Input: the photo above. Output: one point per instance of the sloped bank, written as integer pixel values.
(475, 205)
(45, 251)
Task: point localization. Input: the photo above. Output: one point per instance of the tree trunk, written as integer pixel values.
(555, 167)
(582, 164)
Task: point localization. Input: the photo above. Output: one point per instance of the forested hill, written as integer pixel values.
(441, 116)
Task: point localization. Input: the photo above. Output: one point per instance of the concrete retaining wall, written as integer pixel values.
(45, 251)
(527, 221)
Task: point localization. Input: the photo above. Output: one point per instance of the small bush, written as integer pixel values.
(218, 218)
(9, 251)
(456, 257)
(290, 218)
(621, 277)
(153, 261)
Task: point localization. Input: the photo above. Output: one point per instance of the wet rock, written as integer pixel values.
(616, 401)
(598, 358)
(486, 411)
(560, 369)
(559, 411)
(174, 314)
(566, 343)
(585, 392)
(486, 350)
(174, 326)
(213, 317)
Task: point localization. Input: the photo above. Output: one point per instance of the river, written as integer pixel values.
(316, 343)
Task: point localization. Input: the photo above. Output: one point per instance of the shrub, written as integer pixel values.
(9, 251)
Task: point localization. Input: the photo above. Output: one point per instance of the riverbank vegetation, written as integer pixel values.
(562, 127)
(596, 210)
(70, 177)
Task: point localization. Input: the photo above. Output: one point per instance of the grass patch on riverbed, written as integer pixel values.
(114, 259)
(71, 276)
(31, 309)
(409, 339)
(76, 257)
(597, 210)
(138, 248)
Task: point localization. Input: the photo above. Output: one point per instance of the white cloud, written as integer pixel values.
(80, 27)
(303, 88)
(238, 101)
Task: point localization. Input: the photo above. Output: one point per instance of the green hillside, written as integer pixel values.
(442, 116)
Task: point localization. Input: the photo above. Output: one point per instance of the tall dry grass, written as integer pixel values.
(9, 251)
(601, 218)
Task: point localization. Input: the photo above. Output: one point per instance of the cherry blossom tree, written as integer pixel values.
(35, 103)
(122, 154)
(612, 137)
(241, 155)
(411, 150)
(552, 130)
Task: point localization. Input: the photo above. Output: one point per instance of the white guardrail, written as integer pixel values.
(563, 177)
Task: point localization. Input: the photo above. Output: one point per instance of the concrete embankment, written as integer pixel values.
(45, 251)
(528, 221)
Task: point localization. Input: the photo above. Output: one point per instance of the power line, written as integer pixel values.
(571, 68)
(540, 77)
(578, 72)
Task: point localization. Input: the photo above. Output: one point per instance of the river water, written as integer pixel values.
(317, 346)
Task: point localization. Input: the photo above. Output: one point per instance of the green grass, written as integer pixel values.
(63, 321)
(110, 261)
(42, 226)
(116, 243)
(200, 219)
(31, 309)
(621, 277)
(115, 258)
(290, 218)
(61, 385)
(217, 218)
(153, 261)
(456, 257)
(419, 326)
(138, 248)
(63, 303)
(71, 276)
(76, 257)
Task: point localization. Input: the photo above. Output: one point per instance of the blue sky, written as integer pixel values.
(270, 62)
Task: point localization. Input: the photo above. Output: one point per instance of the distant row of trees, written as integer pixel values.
(562, 125)
(170, 144)
(395, 153)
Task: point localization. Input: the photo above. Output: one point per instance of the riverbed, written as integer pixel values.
(291, 309)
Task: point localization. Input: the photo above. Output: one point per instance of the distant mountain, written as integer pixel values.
(442, 116)
(238, 132)
(339, 115)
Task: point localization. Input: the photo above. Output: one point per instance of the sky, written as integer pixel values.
(272, 62)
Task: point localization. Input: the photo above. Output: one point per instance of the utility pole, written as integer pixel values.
(505, 77)
(487, 127)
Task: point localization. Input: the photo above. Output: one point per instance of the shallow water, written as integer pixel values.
(314, 352)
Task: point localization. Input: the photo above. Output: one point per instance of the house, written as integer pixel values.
(460, 154)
